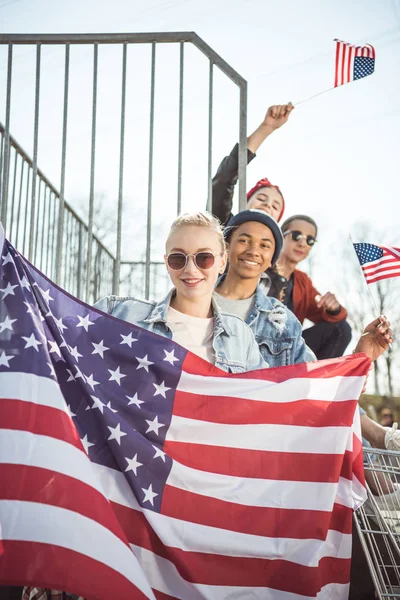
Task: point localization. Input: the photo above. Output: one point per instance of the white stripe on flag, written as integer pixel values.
(340, 63)
(22, 447)
(274, 438)
(302, 495)
(32, 388)
(332, 388)
(19, 522)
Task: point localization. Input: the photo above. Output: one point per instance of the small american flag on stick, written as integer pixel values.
(378, 262)
(353, 62)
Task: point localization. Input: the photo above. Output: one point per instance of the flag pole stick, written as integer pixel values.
(368, 288)
(314, 96)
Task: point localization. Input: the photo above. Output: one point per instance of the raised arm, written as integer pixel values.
(224, 181)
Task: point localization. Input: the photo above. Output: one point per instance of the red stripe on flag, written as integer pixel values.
(254, 520)
(162, 596)
(334, 367)
(351, 57)
(238, 411)
(337, 64)
(41, 420)
(48, 566)
(379, 268)
(280, 466)
(34, 484)
(219, 569)
(344, 61)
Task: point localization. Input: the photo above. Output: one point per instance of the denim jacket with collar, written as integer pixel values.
(234, 345)
(277, 331)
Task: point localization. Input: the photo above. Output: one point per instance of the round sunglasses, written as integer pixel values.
(297, 236)
(203, 260)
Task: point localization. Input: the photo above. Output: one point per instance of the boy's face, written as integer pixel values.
(251, 249)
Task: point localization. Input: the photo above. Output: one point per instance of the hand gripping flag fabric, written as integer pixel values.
(131, 468)
(353, 62)
(378, 262)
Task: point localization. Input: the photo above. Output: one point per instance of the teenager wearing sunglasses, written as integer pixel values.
(331, 333)
(195, 257)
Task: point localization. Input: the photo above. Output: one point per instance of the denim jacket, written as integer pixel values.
(278, 332)
(234, 345)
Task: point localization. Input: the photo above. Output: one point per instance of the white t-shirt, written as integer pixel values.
(193, 333)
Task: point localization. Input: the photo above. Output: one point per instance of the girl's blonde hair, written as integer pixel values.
(199, 219)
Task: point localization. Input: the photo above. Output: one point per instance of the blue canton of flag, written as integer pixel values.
(363, 67)
(368, 252)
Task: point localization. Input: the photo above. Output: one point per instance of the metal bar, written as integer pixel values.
(121, 176)
(35, 152)
(210, 135)
(11, 225)
(21, 183)
(150, 181)
(97, 38)
(43, 227)
(92, 170)
(49, 244)
(180, 126)
(26, 208)
(56, 204)
(242, 167)
(59, 246)
(217, 60)
(6, 156)
(36, 229)
(80, 257)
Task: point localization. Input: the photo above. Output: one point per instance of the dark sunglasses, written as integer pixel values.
(203, 260)
(297, 236)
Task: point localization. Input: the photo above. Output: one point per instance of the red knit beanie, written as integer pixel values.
(266, 183)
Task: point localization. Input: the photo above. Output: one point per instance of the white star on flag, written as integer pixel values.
(71, 414)
(99, 348)
(45, 294)
(96, 404)
(116, 433)
(133, 464)
(71, 377)
(7, 258)
(75, 353)
(32, 342)
(54, 348)
(29, 308)
(7, 324)
(170, 357)
(108, 405)
(161, 389)
(4, 359)
(25, 283)
(86, 444)
(159, 453)
(84, 322)
(134, 400)
(8, 290)
(52, 371)
(128, 339)
(143, 363)
(90, 381)
(154, 425)
(79, 373)
(116, 375)
(149, 495)
(60, 325)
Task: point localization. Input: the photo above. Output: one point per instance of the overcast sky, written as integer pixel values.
(337, 159)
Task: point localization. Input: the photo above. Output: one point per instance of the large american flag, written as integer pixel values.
(353, 62)
(378, 262)
(131, 468)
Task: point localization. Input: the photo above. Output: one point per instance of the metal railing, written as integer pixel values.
(36, 216)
